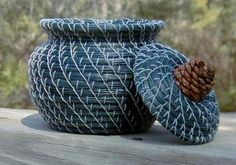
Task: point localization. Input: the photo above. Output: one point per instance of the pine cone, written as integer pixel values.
(195, 78)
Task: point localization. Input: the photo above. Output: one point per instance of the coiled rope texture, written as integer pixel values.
(194, 122)
(81, 79)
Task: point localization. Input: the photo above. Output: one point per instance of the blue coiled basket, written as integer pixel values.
(81, 79)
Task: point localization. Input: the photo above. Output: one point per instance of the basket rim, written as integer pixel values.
(123, 24)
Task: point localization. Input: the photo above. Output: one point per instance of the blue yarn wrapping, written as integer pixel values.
(193, 122)
(81, 79)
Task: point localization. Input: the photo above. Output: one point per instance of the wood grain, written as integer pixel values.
(26, 139)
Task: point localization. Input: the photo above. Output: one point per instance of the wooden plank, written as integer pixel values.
(26, 139)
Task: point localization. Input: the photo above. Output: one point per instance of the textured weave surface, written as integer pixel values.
(81, 79)
(194, 122)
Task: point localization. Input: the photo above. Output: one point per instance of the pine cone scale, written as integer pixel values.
(188, 68)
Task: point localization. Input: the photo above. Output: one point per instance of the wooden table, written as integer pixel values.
(26, 139)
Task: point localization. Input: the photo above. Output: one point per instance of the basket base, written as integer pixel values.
(100, 131)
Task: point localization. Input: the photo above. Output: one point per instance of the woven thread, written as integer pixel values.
(194, 122)
(81, 79)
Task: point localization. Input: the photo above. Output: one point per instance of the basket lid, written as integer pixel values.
(194, 122)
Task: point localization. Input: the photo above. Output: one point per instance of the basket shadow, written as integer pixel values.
(157, 135)
(36, 122)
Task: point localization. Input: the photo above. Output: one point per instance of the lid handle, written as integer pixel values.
(195, 78)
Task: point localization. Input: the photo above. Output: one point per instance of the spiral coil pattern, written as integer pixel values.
(81, 79)
(194, 122)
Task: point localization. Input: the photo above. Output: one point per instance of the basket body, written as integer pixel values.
(81, 79)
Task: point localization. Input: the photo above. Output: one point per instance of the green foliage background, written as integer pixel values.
(203, 28)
